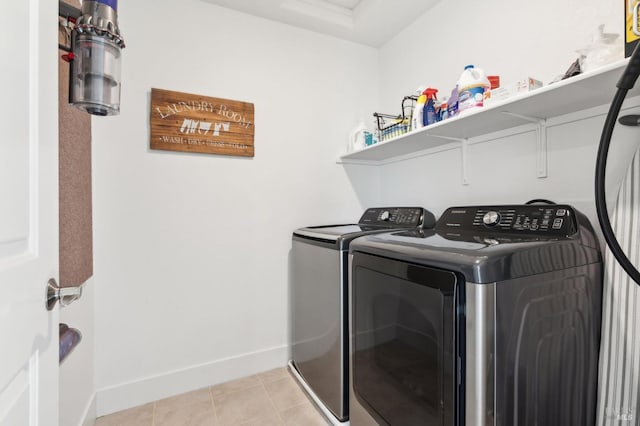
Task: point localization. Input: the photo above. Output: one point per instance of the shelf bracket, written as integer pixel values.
(449, 138)
(464, 144)
(542, 170)
(541, 149)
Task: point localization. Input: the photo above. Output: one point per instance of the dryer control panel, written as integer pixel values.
(548, 219)
(397, 217)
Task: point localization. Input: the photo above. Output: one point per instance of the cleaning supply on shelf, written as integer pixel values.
(494, 81)
(472, 85)
(452, 104)
(360, 138)
(398, 127)
(429, 113)
(417, 121)
(494, 84)
(604, 49)
(443, 109)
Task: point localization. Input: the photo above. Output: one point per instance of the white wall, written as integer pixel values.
(191, 250)
(513, 40)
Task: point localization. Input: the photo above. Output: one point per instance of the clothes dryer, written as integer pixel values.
(493, 318)
(319, 301)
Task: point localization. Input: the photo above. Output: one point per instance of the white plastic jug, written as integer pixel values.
(471, 87)
(360, 138)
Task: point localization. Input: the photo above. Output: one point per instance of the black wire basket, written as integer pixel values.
(391, 126)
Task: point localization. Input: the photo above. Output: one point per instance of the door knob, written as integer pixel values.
(65, 295)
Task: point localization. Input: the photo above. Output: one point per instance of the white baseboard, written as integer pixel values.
(89, 415)
(132, 394)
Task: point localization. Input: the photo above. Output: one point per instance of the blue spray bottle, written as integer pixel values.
(430, 108)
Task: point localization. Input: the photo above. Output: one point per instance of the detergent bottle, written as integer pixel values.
(444, 113)
(471, 87)
(417, 120)
(360, 138)
(452, 104)
(429, 113)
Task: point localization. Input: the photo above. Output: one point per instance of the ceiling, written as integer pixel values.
(370, 22)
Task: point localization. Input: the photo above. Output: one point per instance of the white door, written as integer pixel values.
(28, 212)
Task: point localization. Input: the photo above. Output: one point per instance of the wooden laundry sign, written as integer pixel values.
(194, 123)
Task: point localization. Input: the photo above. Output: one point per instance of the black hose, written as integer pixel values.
(601, 165)
(539, 201)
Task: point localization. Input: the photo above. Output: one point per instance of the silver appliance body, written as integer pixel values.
(319, 301)
(493, 318)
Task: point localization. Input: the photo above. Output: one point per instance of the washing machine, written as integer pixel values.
(319, 332)
(491, 318)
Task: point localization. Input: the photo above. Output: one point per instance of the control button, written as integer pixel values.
(561, 212)
(557, 223)
(385, 215)
(491, 218)
(534, 227)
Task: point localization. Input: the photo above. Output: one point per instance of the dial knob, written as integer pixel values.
(385, 215)
(491, 218)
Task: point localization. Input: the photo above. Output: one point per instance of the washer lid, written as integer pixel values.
(374, 219)
(336, 232)
(489, 252)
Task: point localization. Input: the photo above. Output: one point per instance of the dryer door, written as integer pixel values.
(404, 339)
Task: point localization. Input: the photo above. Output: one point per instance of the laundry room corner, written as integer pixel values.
(501, 166)
(191, 273)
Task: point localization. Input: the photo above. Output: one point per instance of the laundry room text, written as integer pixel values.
(200, 124)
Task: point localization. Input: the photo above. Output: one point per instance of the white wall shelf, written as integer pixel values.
(574, 94)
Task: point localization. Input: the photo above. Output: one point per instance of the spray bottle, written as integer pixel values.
(429, 112)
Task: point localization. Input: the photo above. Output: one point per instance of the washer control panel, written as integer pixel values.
(551, 219)
(397, 217)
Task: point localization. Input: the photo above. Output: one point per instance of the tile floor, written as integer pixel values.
(270, 398)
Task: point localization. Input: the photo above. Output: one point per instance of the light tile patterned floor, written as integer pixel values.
(270, 398)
